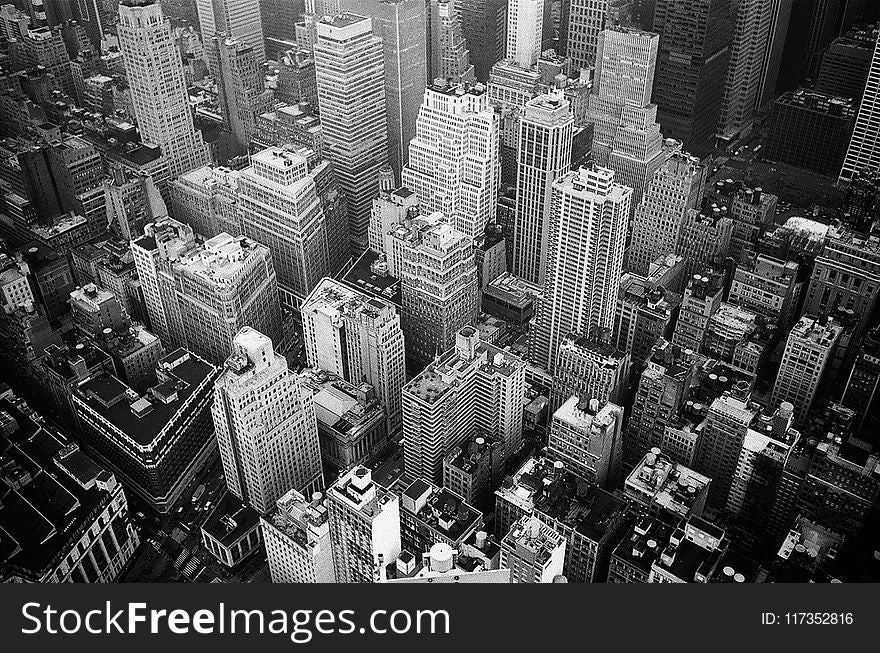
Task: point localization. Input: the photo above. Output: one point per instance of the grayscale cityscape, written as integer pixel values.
(440, 291)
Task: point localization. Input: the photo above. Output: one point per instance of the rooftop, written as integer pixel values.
(230, 520)
(370, 276)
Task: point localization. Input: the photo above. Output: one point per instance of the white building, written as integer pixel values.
(349, 63)
(297, 539)
(265, 425)
(585, 258)
(357, 338)
(238, 19)
(364, 527)
(525, 22)
(455, 158)
(391, 207)
(158, 90)
(533, 551)
(543, 155)
(864, 147)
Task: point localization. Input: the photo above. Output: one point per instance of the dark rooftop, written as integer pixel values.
(230, 520)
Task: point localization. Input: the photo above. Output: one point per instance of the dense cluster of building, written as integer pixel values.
(450, 291)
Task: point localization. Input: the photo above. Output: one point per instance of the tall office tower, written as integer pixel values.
(691, 69)
(525, 26)
(157, 86)
(211, 292)
(808, 350)
(239, 19)
(161, 243)
(455, 158)
(591, 369)
(279, 207)
(663, 388)
(351, 95)
(589, 517)
(718, 450)
(585, 258)
(391, 207)
(864, 148)
(586, 19)
(474, 388)
(448, 56)
(156, 440)
(780, 15)
(484, 24)
(533, 551)
(402, 25)
(587, 435)
(863, 385)
(364, 526)
(241, 88)
(676, 187)
(811, 130)
(748, 51)
(626, 136)
(846, 274)
(278, 19)
(439, 285)
(702, 299)
(704, 238)
(543, 156)
(846, 64)
(132, 201)
(358, 338)
(265, 424)
(297, 539)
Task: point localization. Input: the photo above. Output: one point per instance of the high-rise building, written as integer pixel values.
(676, 187)
(201, 297)
(589, 368)
(692, 64)
(533, 551)
(864, 148)
(431, 514)
(265, 425)
(349, 61)
(454, 160)
(665, 488)
(402, 25)
(132, 200)
(157, 85)
(238, 19)
(364, 526)
(702, 299)
(846, 63)
(278, 205)
(586, 19)
(448, 55)
(811, 130)
(543, 156)
(769, 287)
(157, 440)
(585, 258)
(626, 136)
(752, 23)
(525, 27)
(297, 539)
(808, 351)
(390, 208)
(474, 388)
(863, 385)
(358, 338)
(484, 24)
(587, 435)
(704, 238)
(241, 88)
(473, 470)
(439, 286)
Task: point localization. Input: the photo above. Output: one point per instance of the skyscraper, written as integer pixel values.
(585, 259)
(238, 19)
(279, 207)
(695, 41)
(265, 425)
(586, 18)
(402, 25)
(157, 85)
(297, 537)
(349, 61)
(676, 187)
(544, 155)
(455, 160)
(864, 148)
(240, 86)
(358, 338)
(439, 286)
(474, 387)
(525, 22)
(484, 24)
(448, 57)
